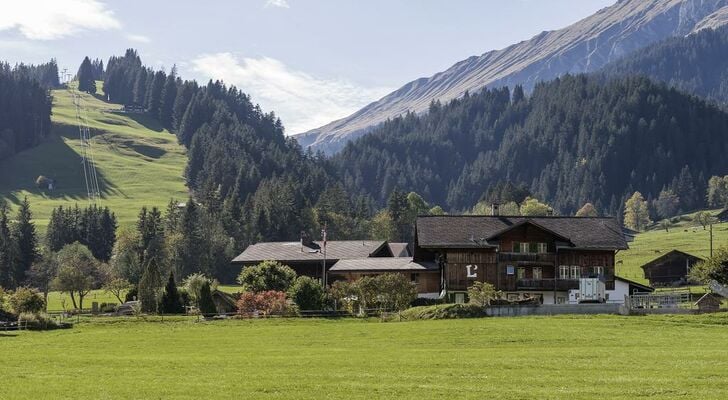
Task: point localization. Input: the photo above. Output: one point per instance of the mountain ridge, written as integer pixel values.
(584, 46)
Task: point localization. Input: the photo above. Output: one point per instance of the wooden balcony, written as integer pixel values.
(528, 257)
(547, 284)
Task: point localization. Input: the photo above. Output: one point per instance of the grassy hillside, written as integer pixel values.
(569, 357)
(138, 163)
(684, 236)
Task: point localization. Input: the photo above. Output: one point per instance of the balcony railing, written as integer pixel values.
(547, 284)
(532, 257)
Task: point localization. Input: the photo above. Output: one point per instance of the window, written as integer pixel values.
(415, 278)
(575, 272)
(599, 271)
(542, 248)
(521, 273)
(561, 300)
(516, 247)
(537, 273)
(564, 271)
(509, 270)
(533, 247)
(524, 248)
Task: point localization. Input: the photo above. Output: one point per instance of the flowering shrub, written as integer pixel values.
(270, 302)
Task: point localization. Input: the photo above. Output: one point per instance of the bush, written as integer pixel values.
(396, 291)
(443, 311)
(193, 285)
(26, 300)
(38, 322)
(270, 302)
(344, 294)
(307, 293)
(266, 276)
(482, 293)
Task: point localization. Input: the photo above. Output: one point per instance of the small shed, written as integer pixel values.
(710, 302)
(670, 269)
(225, 303)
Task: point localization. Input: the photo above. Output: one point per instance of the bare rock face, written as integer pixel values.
(584, 46)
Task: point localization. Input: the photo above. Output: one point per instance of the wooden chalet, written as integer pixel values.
(524, 257)
(670, 269)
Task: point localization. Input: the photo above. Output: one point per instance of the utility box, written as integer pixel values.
(592, 290)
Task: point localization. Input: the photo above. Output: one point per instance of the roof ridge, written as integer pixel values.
(515, 216)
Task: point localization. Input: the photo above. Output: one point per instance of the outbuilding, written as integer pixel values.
(670, 269)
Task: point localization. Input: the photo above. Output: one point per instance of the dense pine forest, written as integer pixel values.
(25, 105)
(696, 63)
(576, 139)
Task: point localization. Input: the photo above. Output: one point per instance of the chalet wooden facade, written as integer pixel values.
(524, 257)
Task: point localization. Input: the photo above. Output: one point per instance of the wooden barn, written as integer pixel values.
(670, 269)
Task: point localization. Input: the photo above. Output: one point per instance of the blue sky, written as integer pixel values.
(310, 61)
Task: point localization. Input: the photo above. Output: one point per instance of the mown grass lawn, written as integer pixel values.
(494, 358)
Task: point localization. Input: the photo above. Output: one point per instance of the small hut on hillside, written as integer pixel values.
(670, 269)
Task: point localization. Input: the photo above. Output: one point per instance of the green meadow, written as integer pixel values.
(138, 162)
(567, 357)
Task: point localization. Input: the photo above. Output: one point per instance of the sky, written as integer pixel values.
(309, 61)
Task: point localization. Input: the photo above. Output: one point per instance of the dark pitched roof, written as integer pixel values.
(669, 254)
(383, 264)
(399, 249)
(479, 231)
(294, 251)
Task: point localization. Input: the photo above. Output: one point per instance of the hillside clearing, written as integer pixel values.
(684, 236)
(506, 358)
(139, 163)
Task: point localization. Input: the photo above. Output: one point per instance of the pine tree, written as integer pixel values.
(171, 303)
(25, 239)
(85, 76)
(206, 303)
(7, 250)
(168, 97)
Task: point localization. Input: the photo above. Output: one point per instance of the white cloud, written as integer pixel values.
(301, 100)
(277, 3)
(55, 19)
(138, 38)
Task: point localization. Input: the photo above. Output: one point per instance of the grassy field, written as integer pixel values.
(683, 236)
(612, 357)
(138, 162)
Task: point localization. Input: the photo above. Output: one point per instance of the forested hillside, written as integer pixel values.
(576, 139)
(25, 108)
(696, 63)
(240, 164)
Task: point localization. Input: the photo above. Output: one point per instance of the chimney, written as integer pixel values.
(494, 209)
(305, 240)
